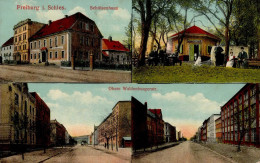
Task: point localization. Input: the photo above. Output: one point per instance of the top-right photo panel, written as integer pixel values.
(196, 41)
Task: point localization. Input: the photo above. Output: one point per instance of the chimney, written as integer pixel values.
(110, 38)
(50, 22)
(66, 16)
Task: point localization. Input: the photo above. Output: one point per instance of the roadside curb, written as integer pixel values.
(55, 155)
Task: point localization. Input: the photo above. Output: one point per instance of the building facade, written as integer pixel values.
(196, 41)
(17, 117)
(22, 32)
(115, 52)
(72, 39)
(218, 130)
(240, 117)
(57, 134)
(7, 50)
(169, 132)
(42, 121)
(211, 128)
(115, 126)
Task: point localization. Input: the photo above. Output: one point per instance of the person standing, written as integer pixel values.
(218, 53)
(242, 56)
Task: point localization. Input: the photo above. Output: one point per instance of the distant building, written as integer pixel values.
(42, 121)
(169, 132)
(22, 32)
(57, 135)
(7, 50)
(116, 126)
(204, 130)
(17, 117)
(115, 51)
(240, 117)
(73, 37)
(155, 125)
(67, 137)
(211, 131)
(196, 41)
(179, 135)
(218, 130)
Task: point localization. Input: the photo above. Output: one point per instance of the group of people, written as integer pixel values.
(240, 61)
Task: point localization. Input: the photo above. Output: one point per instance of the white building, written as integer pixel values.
(67, 137)
(211, 128)
(7, 50)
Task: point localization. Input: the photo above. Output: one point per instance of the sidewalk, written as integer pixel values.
(246, 155)
(36, 156)
(123, 153)
(155, 149)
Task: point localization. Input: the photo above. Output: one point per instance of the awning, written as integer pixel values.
(105, 54)
(127, 138)
(44, 49)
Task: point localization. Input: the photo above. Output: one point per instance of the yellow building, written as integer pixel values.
(196, 41)
(116, 127)
(17, 117)
(22, 32)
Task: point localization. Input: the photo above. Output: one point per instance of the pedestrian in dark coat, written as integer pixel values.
(242, 56)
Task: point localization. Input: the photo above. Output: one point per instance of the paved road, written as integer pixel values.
(30, 73)
(87, 154)
(187, 152)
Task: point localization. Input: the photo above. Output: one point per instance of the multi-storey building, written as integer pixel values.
(155, 126)
(204, 130)
(17, 117)
(169, 132)
(115, 126)
(57, 134)
(218, 130)
(22, 32)
(115, 51)
(211, 128)
(72, 38)
(240, 117)
(42, 122)
(7, 50)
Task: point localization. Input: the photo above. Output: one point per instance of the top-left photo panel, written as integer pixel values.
(65, 41)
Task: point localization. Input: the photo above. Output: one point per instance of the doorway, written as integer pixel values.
(43, 56)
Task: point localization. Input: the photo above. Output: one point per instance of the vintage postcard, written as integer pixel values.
(41, 122)
(196, 41)
(65, 41)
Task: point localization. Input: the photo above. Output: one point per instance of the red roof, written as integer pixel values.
(156, 111)
(113, 45)
(9, 42)
(196, 30)
(59, 25)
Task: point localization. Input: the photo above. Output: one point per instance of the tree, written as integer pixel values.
(220, 10)
(147, 10)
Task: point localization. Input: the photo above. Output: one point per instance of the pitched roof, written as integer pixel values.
(59, 25)
(9, 42)
(156, 111)
(196, 30)
(113, 45)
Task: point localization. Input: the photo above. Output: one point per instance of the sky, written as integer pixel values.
(81, 106)
(109, 22)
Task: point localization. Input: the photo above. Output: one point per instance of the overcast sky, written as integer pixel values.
(186, 106)
(109, 22)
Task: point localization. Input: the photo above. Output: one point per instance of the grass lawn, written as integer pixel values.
(187, 73)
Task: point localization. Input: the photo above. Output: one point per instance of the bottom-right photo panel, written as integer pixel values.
(139, 123)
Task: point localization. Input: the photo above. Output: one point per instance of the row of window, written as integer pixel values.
(24, 47)
(20, 29)
(34, 56)
(20, 37)
(25, 106)
(86, 26)
(35, 44)
(6, 48)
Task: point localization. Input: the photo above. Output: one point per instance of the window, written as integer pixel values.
(31, 45)
(35, 44)
(92, 28)
(16, 99)
(81, 25)
(81, 40)
(56, 54)
(25, 108)
(39, 44)
(87, 43)
(24, 36)
(34, 56)
(87, 26)
(50, 42)
(31, 56)
(39, 55)
(44, 43)
(92, 42)
(15, 39)
(20, 38)
(50, 54)
(62, 39)
(56, 41)
(62, 54)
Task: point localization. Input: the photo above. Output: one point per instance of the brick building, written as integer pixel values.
(204, 130)
(22, 32)
(57, 134)
(17, 117)
(169, 132)
(42, 121)
(196, 40)
(72, 38)
(218, 130)
(115, 126)
(115, 51)
(240, 117)
(155, 126)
